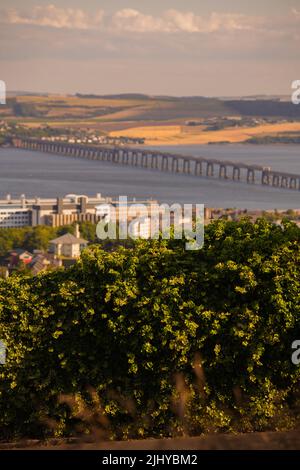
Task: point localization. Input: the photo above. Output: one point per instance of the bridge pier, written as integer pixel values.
(165, 163)
(265, 177)
(293, 183)
(186, 166)
(250, 176)
(154, 161)
(275, 180)
(144, 160)
(223, 172)
(135, 159)
(128, 157)
(236, 173)
(175, 165)
(284, 182)
(198, 168)
(125, 157)
(209, 169)
(115, 156)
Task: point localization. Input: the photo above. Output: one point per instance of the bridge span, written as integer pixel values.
(163, 161)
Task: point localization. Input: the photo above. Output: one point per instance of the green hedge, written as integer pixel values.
(169, 339)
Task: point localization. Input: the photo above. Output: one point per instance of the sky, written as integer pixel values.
(166, 47)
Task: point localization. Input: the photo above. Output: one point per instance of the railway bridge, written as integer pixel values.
(168, 162)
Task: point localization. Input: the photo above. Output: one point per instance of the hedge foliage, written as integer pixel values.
(171, 340)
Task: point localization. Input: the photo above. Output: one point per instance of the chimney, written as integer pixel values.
(77, 231)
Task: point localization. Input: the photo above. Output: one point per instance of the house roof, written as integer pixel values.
(68, 239)
(19, 252)
(42, 261)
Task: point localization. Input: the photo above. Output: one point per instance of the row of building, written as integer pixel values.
(95, 139)
(72, 208)
(55, 212)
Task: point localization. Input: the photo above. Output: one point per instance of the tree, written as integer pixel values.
(134, 322)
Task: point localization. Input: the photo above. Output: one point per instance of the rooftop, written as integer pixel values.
(68, 239)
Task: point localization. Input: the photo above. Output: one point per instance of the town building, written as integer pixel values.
(14, 216)
(43, 261)
(17, 256)
(68, 245)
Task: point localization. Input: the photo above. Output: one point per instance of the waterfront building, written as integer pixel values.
(59, 211)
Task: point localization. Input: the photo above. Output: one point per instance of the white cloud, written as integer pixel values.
(55, 17)
(176, 21)
(127, 20)
(191, 23)
(130, 20)
(137, 22)
(183, 21)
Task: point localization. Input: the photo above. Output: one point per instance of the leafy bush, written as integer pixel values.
(170, 340)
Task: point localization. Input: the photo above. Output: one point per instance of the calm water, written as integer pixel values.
(46, 175)
(279, 157)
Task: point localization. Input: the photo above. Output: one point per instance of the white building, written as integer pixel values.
(68, 245)
(14, 216)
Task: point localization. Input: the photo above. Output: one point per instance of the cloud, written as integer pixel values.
(50, 15)
(134, 21)
(173, 21)
(185, 21)
(129, 20)
(189, 22)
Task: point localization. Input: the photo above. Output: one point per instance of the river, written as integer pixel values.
(46, 175)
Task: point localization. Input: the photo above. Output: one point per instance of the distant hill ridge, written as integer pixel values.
(142, 107)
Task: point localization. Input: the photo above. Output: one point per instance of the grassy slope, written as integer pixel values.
(107, 108)
(160, 120)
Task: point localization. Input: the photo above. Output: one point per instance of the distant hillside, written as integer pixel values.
(265, 108)
(137, 107)
(122, 96)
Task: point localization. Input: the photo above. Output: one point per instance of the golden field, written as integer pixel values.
(181, 135)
